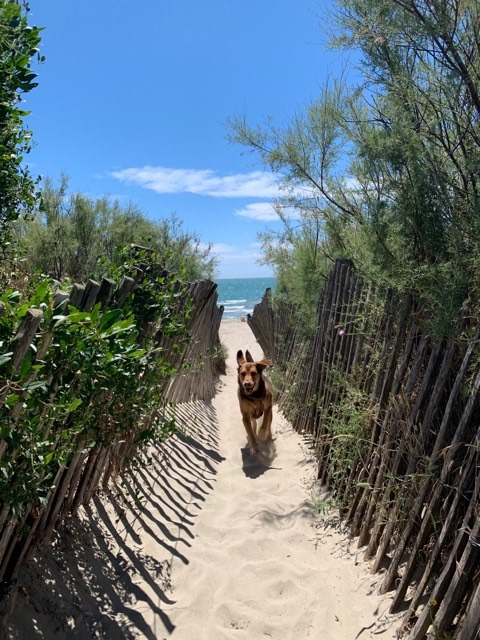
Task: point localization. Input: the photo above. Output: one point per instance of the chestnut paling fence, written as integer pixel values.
(91, 463)
(394, 418)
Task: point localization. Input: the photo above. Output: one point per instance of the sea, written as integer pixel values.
(239, 295)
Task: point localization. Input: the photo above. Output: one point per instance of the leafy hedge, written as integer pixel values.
(89, 378)
(19, 43)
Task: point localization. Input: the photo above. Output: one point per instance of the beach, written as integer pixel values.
(207, 542)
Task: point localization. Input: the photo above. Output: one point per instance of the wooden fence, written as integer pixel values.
(76, 481)
(394, 418)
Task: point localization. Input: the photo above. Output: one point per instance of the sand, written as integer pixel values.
(206, 543)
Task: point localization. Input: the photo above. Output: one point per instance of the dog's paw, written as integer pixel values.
(264, 435)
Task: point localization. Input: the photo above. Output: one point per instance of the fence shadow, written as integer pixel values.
(108, 573)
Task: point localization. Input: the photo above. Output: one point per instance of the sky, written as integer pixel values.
(133, 100)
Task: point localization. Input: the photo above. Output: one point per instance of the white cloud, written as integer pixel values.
(240, 262)
(258, 211)
(268, 212)
(206, 182)
(220, 249)
(228, 253)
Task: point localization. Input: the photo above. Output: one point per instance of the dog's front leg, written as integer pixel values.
(265, 431)
(250, 435)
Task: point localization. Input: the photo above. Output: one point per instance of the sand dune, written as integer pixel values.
(214, 545)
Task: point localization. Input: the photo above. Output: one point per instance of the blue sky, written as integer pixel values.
(133, 98)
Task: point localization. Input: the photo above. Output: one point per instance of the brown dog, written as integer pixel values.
(255, 397)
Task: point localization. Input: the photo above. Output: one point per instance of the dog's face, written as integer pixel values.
(250, 372)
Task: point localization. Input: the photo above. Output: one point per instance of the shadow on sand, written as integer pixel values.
(255, 466)
(107, 575)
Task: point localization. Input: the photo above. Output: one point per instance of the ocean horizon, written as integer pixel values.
(238, 296)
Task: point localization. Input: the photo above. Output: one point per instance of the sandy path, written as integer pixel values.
(205, 543)
(258, 566)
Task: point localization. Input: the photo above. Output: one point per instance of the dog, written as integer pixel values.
(255, 398)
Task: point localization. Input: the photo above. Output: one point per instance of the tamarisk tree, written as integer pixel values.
(388, 164)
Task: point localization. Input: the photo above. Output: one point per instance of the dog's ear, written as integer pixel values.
(262, 364)
(248, 356)
(240, 358)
